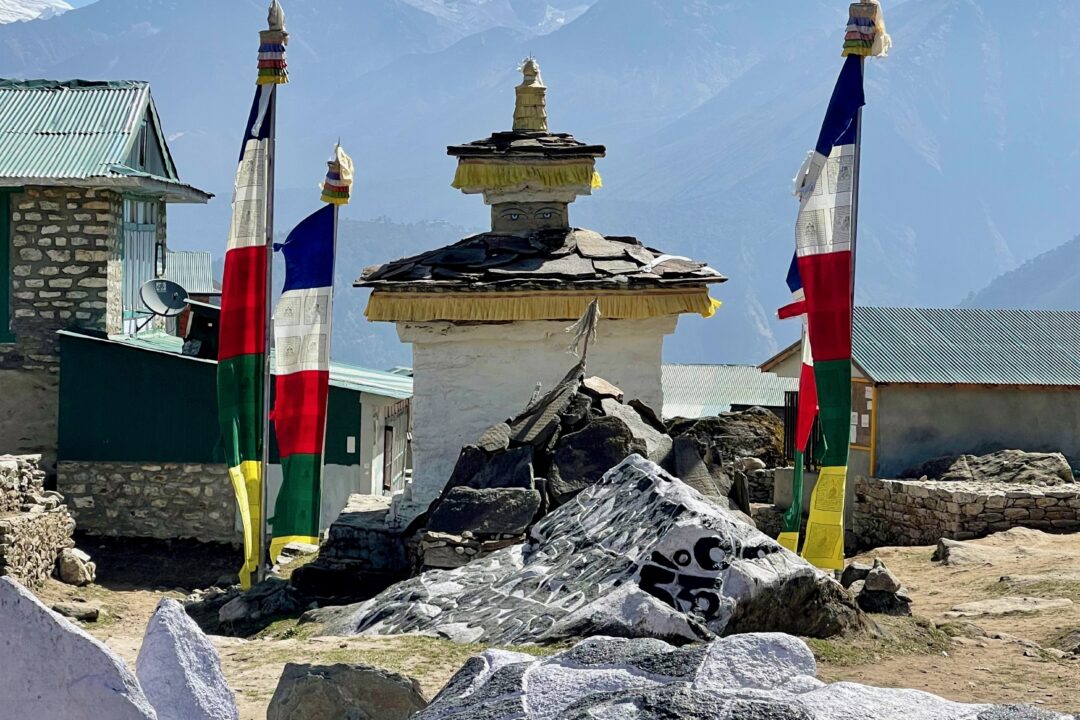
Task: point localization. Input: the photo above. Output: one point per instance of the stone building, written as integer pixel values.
(486, 317)
(85, 178)
(932, 382)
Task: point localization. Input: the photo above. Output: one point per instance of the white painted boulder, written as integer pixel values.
(759, 676)
(180, 670)
(52, 669)
(637, 554)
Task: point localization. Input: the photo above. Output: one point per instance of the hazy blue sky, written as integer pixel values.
(80, 3)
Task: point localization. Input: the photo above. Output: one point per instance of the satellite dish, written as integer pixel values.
(163, 297)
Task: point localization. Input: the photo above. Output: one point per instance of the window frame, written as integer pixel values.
(7, 334)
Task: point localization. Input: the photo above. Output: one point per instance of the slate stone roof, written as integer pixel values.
(554, 145)
(542, 258)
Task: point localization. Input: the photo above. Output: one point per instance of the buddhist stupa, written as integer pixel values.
(487, 316)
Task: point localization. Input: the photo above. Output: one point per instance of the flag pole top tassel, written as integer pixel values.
(337, 187)
(273, 69)
(866, 35)
(530, 108)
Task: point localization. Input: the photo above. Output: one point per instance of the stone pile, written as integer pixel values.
(55, 670)
(766, 676)
(876, 588)
(564, 442)
(35, 526)
(636, 553)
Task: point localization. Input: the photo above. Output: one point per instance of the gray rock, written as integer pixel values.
(750, 464)
(657, 443)
(595, 563)
(581, 458)
(854, 571)
(884, 603)
(598, 387)
(724, 438)
(488, 511)
(54, 670)
(881, 579)
(507, 469)
(1005, 466)
(83, 612)
(766, 676)
(74, 567)
(180, 670)
(349, 692)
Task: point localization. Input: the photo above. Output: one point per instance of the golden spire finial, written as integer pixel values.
(530, 110)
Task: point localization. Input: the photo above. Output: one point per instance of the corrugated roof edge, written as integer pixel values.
(349, 377)
(74, 84)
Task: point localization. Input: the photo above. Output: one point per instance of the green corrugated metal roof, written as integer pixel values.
(963, 346)
(76, 130)
(693, 391)
(193, 270)
(349, 377)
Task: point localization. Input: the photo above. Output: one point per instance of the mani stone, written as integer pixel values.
(180, 670)
(508, 469)
(488, 511)
(54, 670)
(75, 568)
(636, 541)
(757, 676)
(350, 692)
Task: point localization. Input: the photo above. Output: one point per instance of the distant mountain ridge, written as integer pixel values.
(707, 108)
(23, 10)
(1050, 281)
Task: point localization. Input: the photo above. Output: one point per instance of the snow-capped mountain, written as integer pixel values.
(22, 10)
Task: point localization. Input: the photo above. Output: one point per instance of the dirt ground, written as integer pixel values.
(991, 658)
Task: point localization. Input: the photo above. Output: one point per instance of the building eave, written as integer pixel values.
(172, 192)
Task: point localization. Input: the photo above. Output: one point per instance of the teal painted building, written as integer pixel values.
(139, 451)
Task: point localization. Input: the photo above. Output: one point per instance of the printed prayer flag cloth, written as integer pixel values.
(823, 239)
(242, 329)
(302, 376)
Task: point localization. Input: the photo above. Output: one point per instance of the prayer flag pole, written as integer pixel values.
(827, 186)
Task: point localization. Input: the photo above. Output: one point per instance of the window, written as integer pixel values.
(6, 336)
(138, 249)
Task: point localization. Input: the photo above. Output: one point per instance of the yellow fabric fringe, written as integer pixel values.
(246, 481)
(552, 305)
(497, 176)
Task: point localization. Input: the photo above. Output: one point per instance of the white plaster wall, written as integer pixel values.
(469, 377)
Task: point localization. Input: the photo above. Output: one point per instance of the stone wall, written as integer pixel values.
(62, 242)
(919, 512)
(155, 500)
(34, 524)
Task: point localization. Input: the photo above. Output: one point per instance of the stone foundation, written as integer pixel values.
(920, 512)
(362, 555)
(34, 524)
(154, 500)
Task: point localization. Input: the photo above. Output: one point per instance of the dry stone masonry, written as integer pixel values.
(65, 253)
(166, 500)
(34, 524)
(919, 512)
